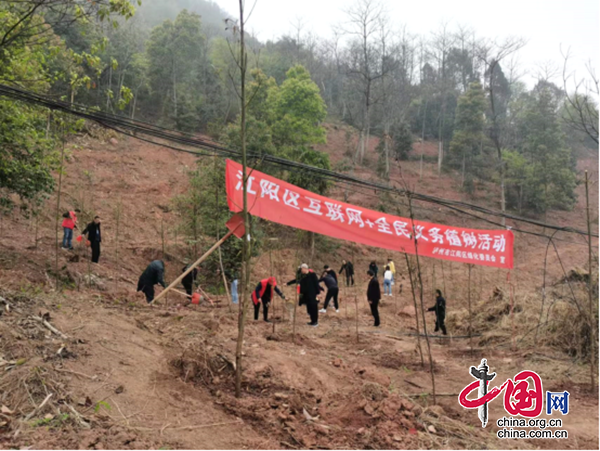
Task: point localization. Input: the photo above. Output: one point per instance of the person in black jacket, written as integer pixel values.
(373, 296)
(440, 312)
(348, 268)
(332, 291)
(189, 280)
(94, 236)
(330, 271)
(373, 268)
(309, 290)
(152, 275)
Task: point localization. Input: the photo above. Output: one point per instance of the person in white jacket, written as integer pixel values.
(388, 276)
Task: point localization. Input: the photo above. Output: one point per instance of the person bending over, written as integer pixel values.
(332, 292)
(152, 275)
(262, 294)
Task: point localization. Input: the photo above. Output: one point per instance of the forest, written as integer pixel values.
(173, 66)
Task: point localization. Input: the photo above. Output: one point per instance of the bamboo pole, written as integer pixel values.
(246, 250)
(512, 310)
(469, 266)
(421, 295)
(118, 262)
(444, 279)
(272, 288)
(60, 172)
(196, 263)
(356, 309)
(295, 315)
(590, 296)
(412, 288)
(224, 277)
(355, 302)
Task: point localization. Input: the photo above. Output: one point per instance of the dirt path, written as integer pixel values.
(132, 375)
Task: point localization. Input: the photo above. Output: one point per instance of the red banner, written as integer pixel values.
(278, 201)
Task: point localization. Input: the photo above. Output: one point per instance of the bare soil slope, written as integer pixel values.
(130, 376)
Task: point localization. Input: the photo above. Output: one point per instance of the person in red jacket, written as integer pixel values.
(262, 293)
(69, 223)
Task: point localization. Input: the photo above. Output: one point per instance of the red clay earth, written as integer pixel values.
(162, 377)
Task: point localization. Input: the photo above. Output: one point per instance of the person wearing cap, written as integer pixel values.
(262, 293)
(94, 236)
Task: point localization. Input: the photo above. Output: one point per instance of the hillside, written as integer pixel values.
(130, 376)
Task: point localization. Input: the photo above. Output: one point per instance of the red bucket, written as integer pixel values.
(196, 298)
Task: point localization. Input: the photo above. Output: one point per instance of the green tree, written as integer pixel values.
(551, 180)
(176, 58)
(403, 140)
(203, 212)
(298, 110)
(286, 121)
(469, 145)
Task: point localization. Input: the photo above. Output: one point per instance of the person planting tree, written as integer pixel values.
(262, 294)
(94, 236)
(152, 275)
(69, 224)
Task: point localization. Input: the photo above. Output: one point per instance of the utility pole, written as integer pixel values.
(590, 295)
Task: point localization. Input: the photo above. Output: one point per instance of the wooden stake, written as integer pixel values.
(590, 296)
(195, 264)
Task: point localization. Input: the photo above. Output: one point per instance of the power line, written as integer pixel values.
(121, 124)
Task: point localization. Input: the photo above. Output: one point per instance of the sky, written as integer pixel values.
(545, 24)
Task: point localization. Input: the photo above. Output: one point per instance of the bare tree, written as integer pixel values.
(365, 19)
(240, 58)
(491, 54)
(440, 45)
(581, 112)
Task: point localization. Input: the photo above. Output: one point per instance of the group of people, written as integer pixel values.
(308, 286)
(91, 233)
(307, 282)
